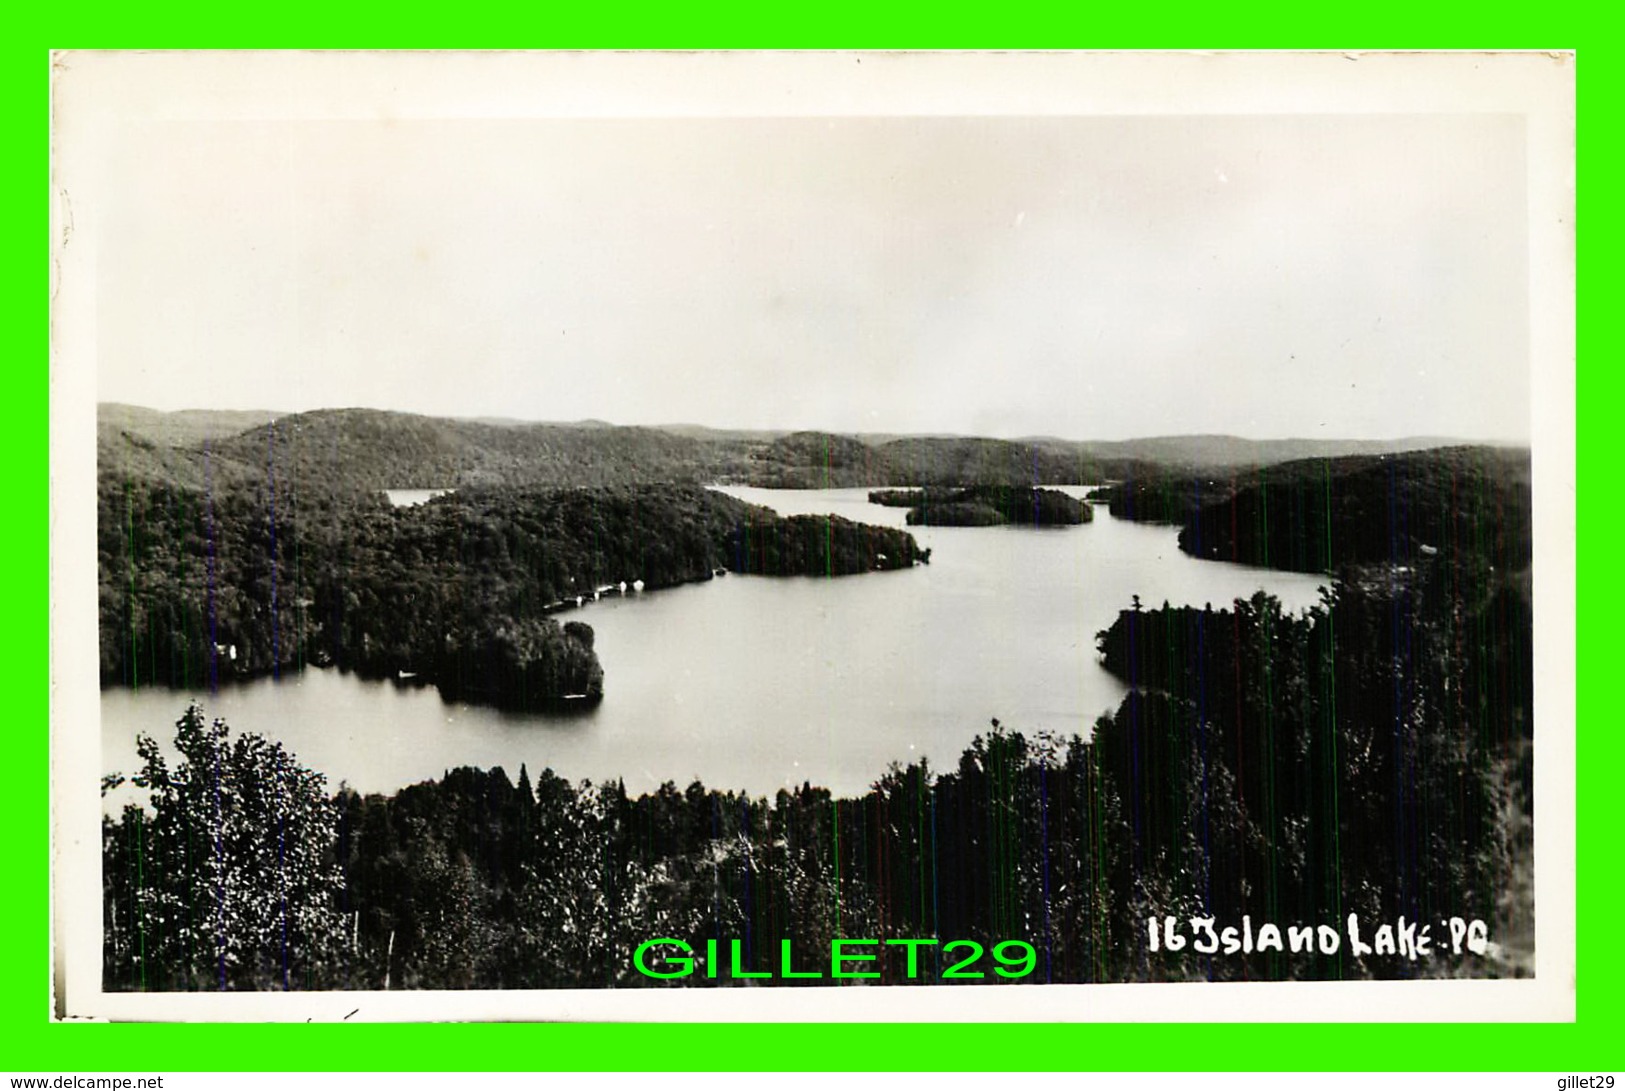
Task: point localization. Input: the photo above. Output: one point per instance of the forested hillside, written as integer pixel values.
(257, 577)
(182, 428)
(1463, 503)
(1265, 766)
(1372, 756)
(1314, 515)
(373, 449)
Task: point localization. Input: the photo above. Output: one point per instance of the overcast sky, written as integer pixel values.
(1335, 276)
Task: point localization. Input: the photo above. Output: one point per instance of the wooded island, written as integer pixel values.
(1371, 756)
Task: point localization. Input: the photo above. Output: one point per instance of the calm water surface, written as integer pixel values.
(411, 498)
(755, 683)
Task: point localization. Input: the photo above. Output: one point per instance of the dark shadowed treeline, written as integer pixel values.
(817, 545)
(1467, 504)
(1371, 756)
(1316, 515)
(1421, 662)
(985, 505)
(476, 881)
(254, 577)
(1162, 496)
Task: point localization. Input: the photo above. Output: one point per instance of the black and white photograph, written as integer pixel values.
(817, 535)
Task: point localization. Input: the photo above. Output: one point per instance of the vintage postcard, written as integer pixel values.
(821, 536)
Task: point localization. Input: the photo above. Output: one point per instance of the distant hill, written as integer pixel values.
(373, 449)
(721, 435)
(363, 450)
(970, 461)
(134, 456)
(182, 428)
(1231, 451)
(811, 460)
(370, 449)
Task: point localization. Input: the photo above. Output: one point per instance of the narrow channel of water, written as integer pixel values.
(756, 683)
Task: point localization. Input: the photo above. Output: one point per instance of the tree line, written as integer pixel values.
(257, 577)
(1367, 757)
(985, 505)
(368, 449)
(1370, 756)
(1472, 504)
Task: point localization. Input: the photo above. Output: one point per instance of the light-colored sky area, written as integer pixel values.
(1086, 277)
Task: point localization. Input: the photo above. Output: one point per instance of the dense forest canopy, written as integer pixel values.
(985, 505)
(262, 576)
(1264, 765)
(369, 449)
(1371, 756)
(1314, 515)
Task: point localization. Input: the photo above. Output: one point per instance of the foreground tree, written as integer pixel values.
(229, 881)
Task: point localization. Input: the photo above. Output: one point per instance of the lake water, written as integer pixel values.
(756, 683)
(411, 498)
